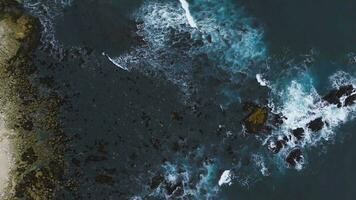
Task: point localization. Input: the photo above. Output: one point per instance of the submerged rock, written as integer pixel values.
(256, 119)
(104, 179)
(316, 125)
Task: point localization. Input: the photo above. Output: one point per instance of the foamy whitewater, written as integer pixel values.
(179, 34)
(301, 103)
(261, 80)
(173, 42)
(189, 16)
(225, 178)
(175, 35)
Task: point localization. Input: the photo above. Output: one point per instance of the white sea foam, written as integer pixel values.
(225, 178)
(197, 183)
(225, 35)
(301, 104)
(185, 6)
(113, 61)
(263, 82)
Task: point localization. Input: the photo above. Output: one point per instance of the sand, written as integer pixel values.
(6, 157)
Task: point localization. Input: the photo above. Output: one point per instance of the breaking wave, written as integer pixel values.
(300, 103)
(176, 36)
(224, 36)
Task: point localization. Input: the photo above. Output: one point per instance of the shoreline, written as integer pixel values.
(31, 140)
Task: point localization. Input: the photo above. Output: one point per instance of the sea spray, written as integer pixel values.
(173, 45)
(300, 104)
(185, 6)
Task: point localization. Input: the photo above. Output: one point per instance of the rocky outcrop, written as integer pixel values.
(278, 145)
(298, 133)
(256, 119)
(18, 32)
(350, 100)
(333, 97)
(316, 124)
(294, 157)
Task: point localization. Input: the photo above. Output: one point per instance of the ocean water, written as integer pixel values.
(156, 92)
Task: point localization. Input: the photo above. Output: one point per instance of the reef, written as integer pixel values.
(30, 113)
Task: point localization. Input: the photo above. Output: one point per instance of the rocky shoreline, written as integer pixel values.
(32, 115)
(260, 120)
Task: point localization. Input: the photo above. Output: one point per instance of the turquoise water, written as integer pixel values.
(153, 97)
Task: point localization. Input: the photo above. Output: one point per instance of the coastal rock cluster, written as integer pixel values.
(31, 115)
(260, 120)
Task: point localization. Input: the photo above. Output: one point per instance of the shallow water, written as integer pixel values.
(177, 110)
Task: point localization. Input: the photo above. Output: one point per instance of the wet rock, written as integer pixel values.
(156, 181)
(350, 100)
(278, 145)
(174, 189)
(316, 125)
(257, 118)
(298, 133)
(294, 157)
(334, 96)
(29, 156)
(277, 119)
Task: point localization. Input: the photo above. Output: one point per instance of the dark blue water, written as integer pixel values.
(175, 115)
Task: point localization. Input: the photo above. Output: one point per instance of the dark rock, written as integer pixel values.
(29, 156)
(334, 96)
(350, 100)
(298, 133)
(316, 125)
(294, 157)
(278, 119)
(278, 145)
(175, 189)
(27, 125)
(156, 181)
